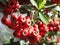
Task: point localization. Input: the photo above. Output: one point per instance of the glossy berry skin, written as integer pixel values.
(35, 33)
(50, 28)
(6, 21)
(28, 22)
(42, 34)
(25, 32)
(35, 26)
(40, 23)
(21, 18)
(56, 28)
(17, 34)
(17, 5)
(14, 18)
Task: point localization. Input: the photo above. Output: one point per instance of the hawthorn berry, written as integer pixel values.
(28, 22)
(6, 21)
(17, 34)
(21, 18)
(14, 18)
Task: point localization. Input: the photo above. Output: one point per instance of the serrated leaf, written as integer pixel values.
(43, 18)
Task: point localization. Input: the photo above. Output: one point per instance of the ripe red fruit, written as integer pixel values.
(27, 17)
(35, 33)
(17, 34)
(40, 24)
(21, 18)
(14, 18)
(35, 26)
(25, 32)
(42, 28)
(28, 22)
(14, 26)
(55, 28)
(16, 5)
(55, 1)
(42, 34)
(6, 21)
(50, 28)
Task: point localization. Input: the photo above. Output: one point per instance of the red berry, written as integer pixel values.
(35, 26)
(55, 28)
(51, 28)
(21, 18)
(14, 18)
(17, 5)
(25, 32)
(42, 34)
(6, 21)
(28, 22)
(35, 33)
(17, 34)
(40, 23)
(42, 28)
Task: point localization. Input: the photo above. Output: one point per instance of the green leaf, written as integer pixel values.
(51, 33)
(43, 18)
(38, 3)
(41, 4)
(34, 3)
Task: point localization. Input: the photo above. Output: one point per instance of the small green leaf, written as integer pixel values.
(43, 18)
(34, 3)
(41, 4)
(38, 3)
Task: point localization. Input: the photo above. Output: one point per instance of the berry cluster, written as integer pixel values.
(12, 6)
(22, 25)
(23, 29)
(53, 26)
